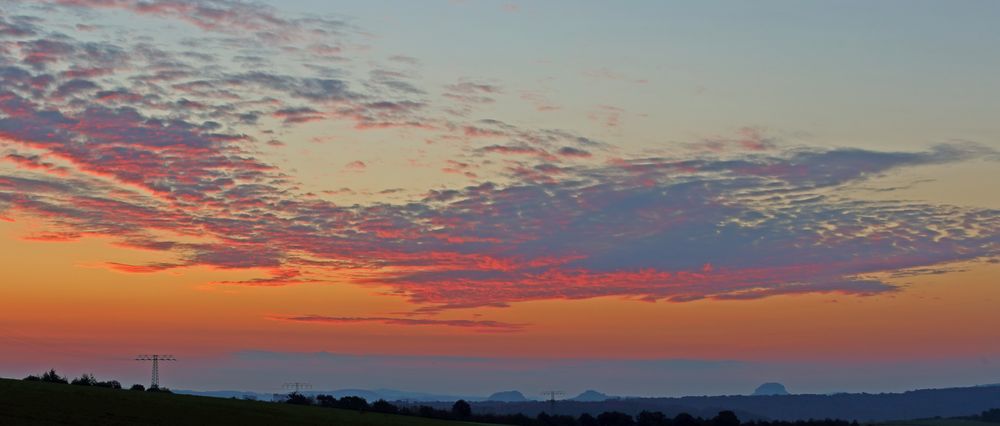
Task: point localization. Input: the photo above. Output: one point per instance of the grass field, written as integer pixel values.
(37, 403)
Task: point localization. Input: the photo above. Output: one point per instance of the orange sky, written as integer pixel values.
(65, 294)
(720, 197)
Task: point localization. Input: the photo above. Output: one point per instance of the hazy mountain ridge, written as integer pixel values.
(924, 403)
(591, 395)
(507, 396)
(770, 388)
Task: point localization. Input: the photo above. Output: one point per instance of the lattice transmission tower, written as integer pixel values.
(156, 366)
(296, 386)
(552, 394)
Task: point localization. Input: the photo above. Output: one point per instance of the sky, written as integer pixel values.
(647, 198)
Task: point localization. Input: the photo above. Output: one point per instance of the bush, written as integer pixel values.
(383, 406)
(353, 403)
(110, 384)
(137, 387)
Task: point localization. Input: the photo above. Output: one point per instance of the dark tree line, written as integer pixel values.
(810, 422)
(90, 380)
(86, 380)
(462, 410)
(49, 376)
(989, 416)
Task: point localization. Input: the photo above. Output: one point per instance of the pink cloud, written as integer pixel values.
(209, 15)
(476, 132)
(479, 325)
(131, 164)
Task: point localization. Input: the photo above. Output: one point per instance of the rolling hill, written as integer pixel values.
(37, 403)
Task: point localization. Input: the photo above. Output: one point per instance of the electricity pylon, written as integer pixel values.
(156, 366)
(295, 386)
(552, 394)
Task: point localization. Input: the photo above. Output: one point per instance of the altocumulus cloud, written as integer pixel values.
(480, 325)
(136, 141)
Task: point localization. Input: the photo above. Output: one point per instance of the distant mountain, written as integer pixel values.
(769, 389)
(507, 396)
(590, 396)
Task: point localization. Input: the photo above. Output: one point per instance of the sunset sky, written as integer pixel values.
(645, 198)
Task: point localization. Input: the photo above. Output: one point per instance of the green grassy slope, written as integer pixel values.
(36, 403)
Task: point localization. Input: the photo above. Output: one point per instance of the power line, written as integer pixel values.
(296, 386)
(156, 366)
(552, 394)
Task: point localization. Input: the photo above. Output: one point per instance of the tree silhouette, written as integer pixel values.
(461, 409)
(992, 416)
(52, 377)
(685, 419)
(383, 406)
(85, 380)
(726, 418)
(137, 387)
(353, 403)
(587, 420)
(298, 399)
(545, 419)
(614, 418)
(651, 418)
(326, 400)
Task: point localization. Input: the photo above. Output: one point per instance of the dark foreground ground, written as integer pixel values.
(37, 403)
(936, 422)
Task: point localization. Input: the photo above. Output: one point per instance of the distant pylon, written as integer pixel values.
(156, 366)
(552, 394)
(296, 386)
